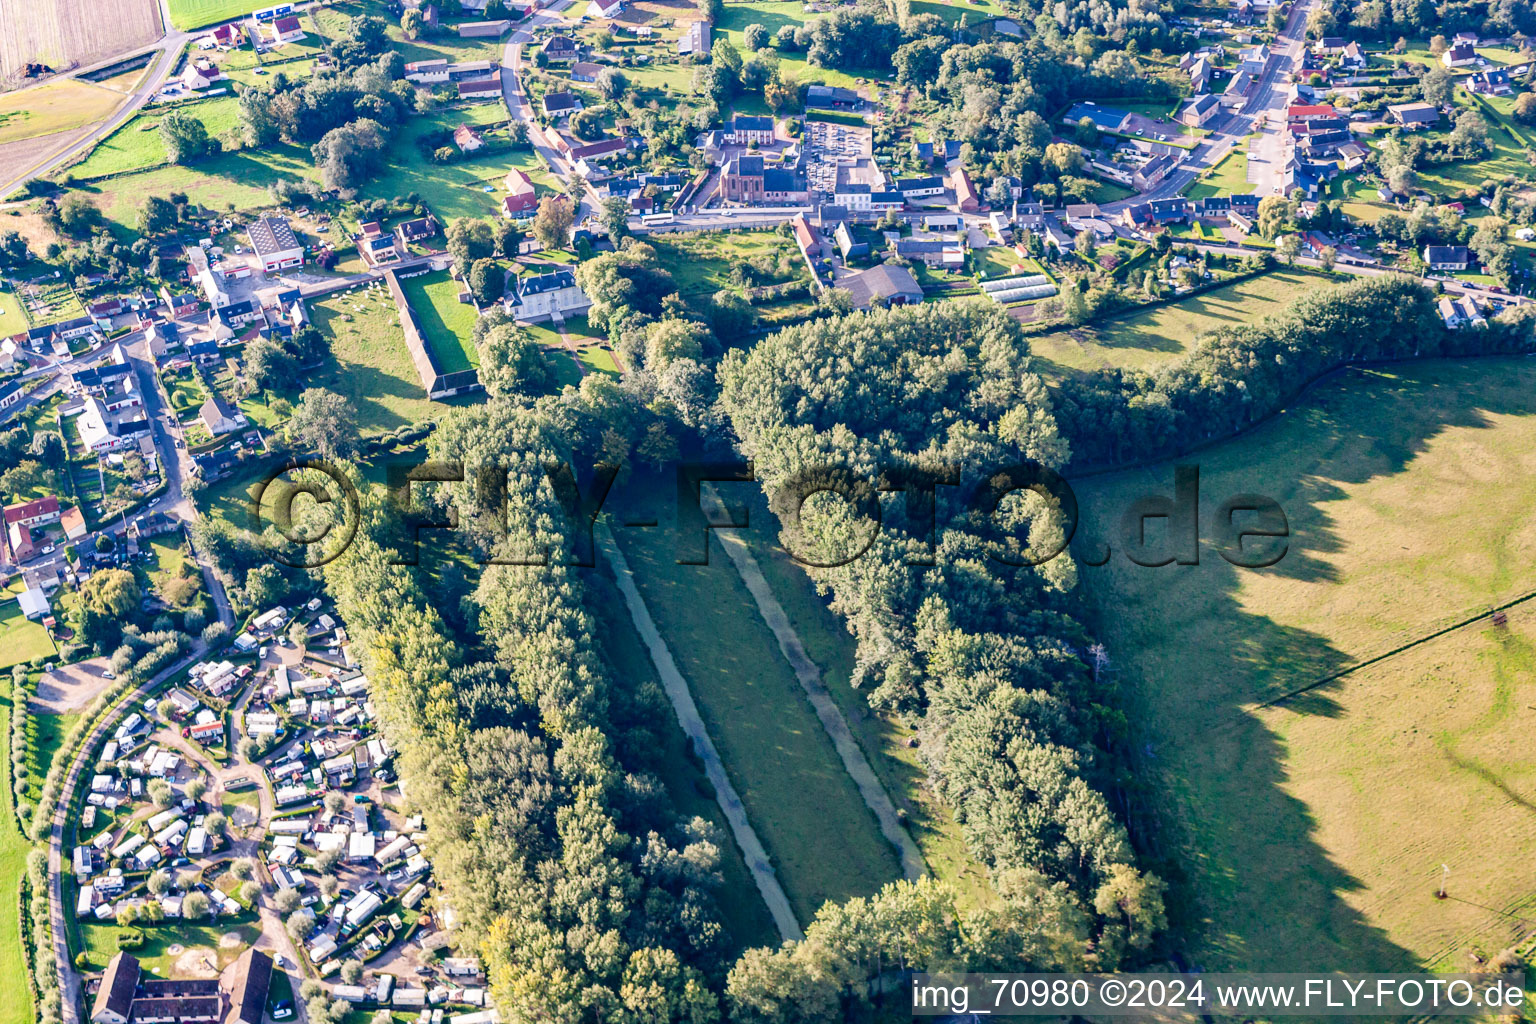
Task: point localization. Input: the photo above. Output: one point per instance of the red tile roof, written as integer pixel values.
(29, 509)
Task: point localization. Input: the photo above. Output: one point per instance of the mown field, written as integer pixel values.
(448, 323)
(21, 639)
(1148, 337)
(1310, 834)
(54, 107)
(824, 841)
(137, 144)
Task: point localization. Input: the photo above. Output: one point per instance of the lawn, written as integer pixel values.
(1151, 336)
(369, 362)
(824, 842)
(1508, 156)
(446, 321)
(100, 942)
(13, 320)
(1228, 176)
(137, 144)
(457, 189)
(190, 14)
(1410, 508)
(54, 107)
(21, 639)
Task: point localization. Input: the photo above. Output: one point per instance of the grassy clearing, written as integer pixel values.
(190, 14)
(741, 906)
(884, 740)
(54, 107)
(1410, 506)
(137, 144)
(823, 841)
(369, 362)
(21, 639)
(701, 264)
(1151, 336)
(446, 321)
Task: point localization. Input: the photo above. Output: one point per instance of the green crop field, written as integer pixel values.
(1144, 339)
(190, 14)
(446, 321)
(1410, 507)
(824, 842)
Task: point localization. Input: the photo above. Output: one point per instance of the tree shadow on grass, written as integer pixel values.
(1252, 885)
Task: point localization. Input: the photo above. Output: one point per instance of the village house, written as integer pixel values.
(585, 71)
(521, 199)
(1413, 115)
(375, 245)
(695, 39)
(558, 49)
(561, 104)
(1459, 56)
(219, 416)
(467, 139)
(885, 285)
(749, 131)
(1195, 112)
(1447, 257)
(415, 231)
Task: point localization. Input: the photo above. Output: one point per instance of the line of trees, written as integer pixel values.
(533, 761)
(1017, 733)
(1242, 374)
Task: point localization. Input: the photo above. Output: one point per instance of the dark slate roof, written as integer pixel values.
(272, 235)
(117, 986)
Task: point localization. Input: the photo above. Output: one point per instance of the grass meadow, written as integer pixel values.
(15, 992)
(137, 144)
(448, 323)
(369, 362)
(823, 840)
(1143, 339)
(1409, 496)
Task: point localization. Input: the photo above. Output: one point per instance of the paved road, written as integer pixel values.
(518, 106)
(752, 849)
(156, 408)
(854, 763)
